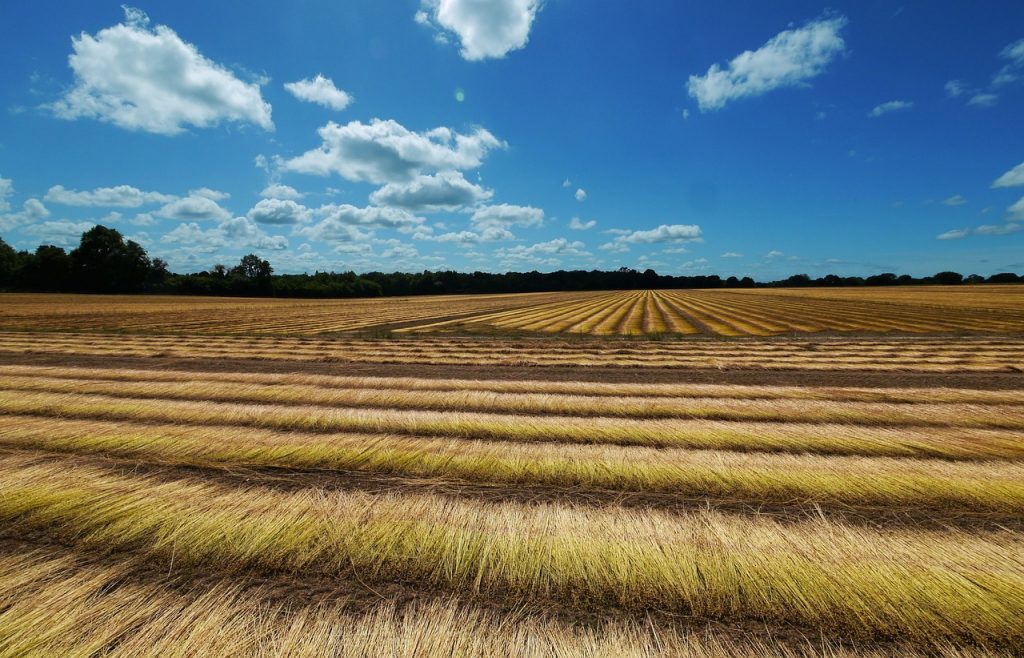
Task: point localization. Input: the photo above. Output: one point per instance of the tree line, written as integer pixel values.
(105, 262)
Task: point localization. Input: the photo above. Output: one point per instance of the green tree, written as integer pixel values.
(948, 278)
(8, 264)
(105, 262)
(252, 275)
(49, 268)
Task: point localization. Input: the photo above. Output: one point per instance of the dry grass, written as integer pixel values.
(824, 439)
(95, 607)
(936, 488)
(934, 355)
(999, 416)
(920, 586)
(568, 388)
(984, 309)
(212, 511)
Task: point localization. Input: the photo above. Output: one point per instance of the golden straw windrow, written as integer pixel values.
(94, 605)
(943, 488)
(818, 575)
(837, 354)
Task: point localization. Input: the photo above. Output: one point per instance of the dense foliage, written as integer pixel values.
(105, 262)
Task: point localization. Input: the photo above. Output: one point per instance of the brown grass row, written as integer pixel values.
(825, 439)
(883, 414)
(526, 386)
(943, 489)
(957, 356)
(126, 610)
(917, 586)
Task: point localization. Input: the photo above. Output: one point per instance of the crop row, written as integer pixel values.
(908, 584)
(885, 414)
(577, 389)
(951, 355)
(714, 312)
(952, 442)
(126, 610)
(833, 483)
(728, 314)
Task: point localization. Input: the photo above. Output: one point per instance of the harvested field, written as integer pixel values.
(913, 354)
(170, 489)
(730, 312)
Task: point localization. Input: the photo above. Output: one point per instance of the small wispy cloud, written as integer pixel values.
(891, 106)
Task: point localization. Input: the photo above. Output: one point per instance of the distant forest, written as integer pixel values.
(104, 262)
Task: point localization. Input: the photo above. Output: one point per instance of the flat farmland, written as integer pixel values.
(841, 475)
(729, 313)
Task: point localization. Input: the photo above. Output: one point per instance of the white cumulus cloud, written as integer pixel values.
(60, 233)
(279, 211)
(577, 224)
(666, 233)
(955, 200)
(983, 100)
(984, 229)
(151, 80)
(542, 253)
(506, 215)
(231, 233)
(788, 59)
(208, 193)
(387, 152)
(119, 196)
(32, 210)
(319, 90)
(279, 191)
(581, 194)
(347, 223)
(485, 28)
(1012, 178)
(955, 88)
(6, 191)
(1017, 210)
(447, 190)
(194, 208)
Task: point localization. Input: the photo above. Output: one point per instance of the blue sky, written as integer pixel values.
(741, 137)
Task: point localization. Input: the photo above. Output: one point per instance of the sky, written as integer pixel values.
(738, 137)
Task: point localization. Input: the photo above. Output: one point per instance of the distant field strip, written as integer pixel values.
(722, 312)
(198, 315)
(973, 354)
(755, 313)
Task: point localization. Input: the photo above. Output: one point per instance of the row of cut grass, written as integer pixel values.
(825, 439)
(964, 358)
(942, 488)
(55, 603)
(468, 401)
(916, 586)
(568, 388)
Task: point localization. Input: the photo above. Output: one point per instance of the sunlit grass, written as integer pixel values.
(883, 483)
(913, 585)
